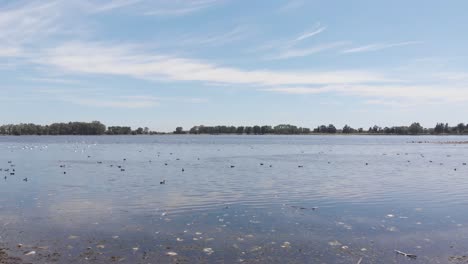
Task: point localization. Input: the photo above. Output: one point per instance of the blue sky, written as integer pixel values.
(165, 63)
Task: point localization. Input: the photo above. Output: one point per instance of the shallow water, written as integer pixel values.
(314, 199)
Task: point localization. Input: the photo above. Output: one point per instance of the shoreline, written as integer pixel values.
(227, 134)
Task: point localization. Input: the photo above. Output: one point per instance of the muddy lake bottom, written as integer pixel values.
(233, 199)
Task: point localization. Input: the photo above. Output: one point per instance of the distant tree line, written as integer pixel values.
(249, 130)
(413, 129)
(97, 128)
(71, 128)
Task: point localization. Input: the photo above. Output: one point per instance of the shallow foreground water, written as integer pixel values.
(233, 199)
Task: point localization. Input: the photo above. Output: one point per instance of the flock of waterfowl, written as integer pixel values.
(12, 171)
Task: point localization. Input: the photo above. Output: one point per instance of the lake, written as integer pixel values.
(233, 199)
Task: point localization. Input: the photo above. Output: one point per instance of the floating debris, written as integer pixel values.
(208, 251)
(171, 253)
(101, 246)
(298, 207)
(412, 256)
(29, 253)
(334, 243)
(256, 248)
(286, 245)
(117, 259)
(458, 259)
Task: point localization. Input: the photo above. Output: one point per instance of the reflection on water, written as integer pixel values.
(245, 199)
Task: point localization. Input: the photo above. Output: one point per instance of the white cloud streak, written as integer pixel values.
(310, 34)
(379, 46)
(287, 50)
(10, 51)
(414, 93)
(96, 7)
(294, 53)
(116, 103)
(291, 5)
(180, 7)
(230, 36)
(92, 58)
(52, 80)
(101, 98)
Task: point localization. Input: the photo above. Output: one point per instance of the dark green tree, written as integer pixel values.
(460, 128)
(415, 129)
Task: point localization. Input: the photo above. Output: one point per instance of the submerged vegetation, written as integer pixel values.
(97, 128)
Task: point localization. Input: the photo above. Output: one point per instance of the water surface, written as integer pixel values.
(233, 199)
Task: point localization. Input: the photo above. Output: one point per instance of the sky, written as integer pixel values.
(168, 63)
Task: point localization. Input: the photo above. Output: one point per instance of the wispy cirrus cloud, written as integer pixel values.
(146, 7)
(379, 46)
(30, 23)
(129, 102)
(410, 92)
(10, 51)
(297, 52)
(235, 34)
(291, 5)
(101, 98)
(51, 80)
(310, 34)
(180, 7)
(291, 48)
(105, 6)
(98, 58)
(113, 103)
(25, 24)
